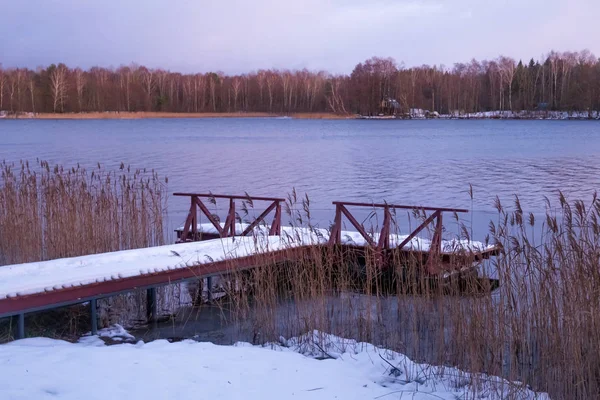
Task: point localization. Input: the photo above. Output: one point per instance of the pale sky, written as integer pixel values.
(236, 36)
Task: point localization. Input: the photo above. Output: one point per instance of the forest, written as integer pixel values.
(565, 81)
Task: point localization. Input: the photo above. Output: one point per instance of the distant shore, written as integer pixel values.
(415, 114)
(148, 115)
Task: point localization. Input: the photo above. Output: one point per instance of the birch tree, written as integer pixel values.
(58, 87)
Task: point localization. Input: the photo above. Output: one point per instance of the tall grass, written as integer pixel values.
(540, 328)
(51, 211)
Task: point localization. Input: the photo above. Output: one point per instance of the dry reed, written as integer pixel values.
(49, 212)
(539, 329)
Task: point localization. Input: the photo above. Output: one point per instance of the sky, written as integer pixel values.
(237, 36)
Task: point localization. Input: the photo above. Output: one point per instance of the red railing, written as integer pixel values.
(190, 227)
(383, 243)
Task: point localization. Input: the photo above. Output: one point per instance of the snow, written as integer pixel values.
(45, 368)
(37, 277)
(313, 235)
(46, 276)
(115, 332)
(416, 113)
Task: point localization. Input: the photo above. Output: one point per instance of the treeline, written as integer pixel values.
(568, 81)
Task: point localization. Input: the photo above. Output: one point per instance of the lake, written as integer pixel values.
(428, 162)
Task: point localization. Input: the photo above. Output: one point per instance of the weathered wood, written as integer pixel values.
(419, 229)
(258, 219)
(210, 217)
(358, 226)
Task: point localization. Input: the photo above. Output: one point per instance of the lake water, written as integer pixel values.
(405, 162)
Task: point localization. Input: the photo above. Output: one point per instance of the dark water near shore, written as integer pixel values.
(406, 162)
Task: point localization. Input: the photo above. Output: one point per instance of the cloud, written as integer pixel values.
(239, 35)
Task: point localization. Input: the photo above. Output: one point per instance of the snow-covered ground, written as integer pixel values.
(315, 366)
(417, 113)
(38, 277)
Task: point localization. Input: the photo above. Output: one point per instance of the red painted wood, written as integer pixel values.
(226, 196)
(358, 226)
(276, 225)
(383, 205)
(258, 219)
(419, 229)
(336, 232)
(19, 304)
(384, 237)
(209, 216)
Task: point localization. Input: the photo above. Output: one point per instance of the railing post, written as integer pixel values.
(384, 236)
(439, 230)
(232, 217)
(194, 216)
(94, 316)
(336, 231)
(436, 245)
(277, 219)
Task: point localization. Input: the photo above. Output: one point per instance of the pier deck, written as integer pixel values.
(37, 286)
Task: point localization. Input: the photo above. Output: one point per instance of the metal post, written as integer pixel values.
(21, 327)
(151, 304)
(209, 288)
(94, 316)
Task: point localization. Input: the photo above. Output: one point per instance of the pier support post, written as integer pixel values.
(21, 326)
(94, 316)
(209, 289)
(151, 302)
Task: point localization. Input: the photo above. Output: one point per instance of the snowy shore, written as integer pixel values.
(314, 366)
(417, 113)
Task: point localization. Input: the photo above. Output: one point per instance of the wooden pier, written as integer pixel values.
(215, 249)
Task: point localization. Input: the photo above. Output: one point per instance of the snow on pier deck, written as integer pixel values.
(38, 285)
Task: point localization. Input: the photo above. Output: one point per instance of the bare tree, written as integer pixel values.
(212, 87)
(148, 83)
(79, 86)
(507, 74)
(334, 99)
(2, 85)
(271, 79)
(236, 91)
(58, 87)
(31, 87)
(12, 90)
